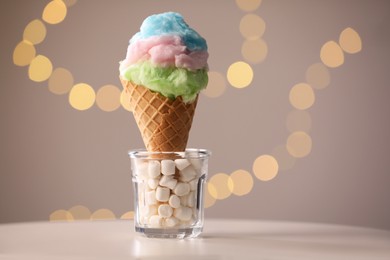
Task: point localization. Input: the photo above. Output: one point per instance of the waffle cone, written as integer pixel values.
(164, 123)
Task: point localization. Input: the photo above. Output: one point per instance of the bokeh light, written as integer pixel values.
(299, 144)
(350, 41)
(54, 12)
(265, 167)
(61, 215)
(240, 182)
(252, 26)
(302, 96)
(60, 81)
(216, 86)
(240, 74)
(128, 215)
(24, 53)
(298, 120)
(254, 51)
(82, 96)
(210, 195)
(125, 100)
(248, 5)
(318, 76)
(40, 68)
(35, 32)
(220, 181)
(108, 98)
(103, 214)
(283, 157)
(80, 212)
(332, 55)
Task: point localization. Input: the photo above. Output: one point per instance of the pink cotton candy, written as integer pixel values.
(166, 50)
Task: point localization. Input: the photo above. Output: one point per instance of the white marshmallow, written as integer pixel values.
(162, 194)
(168, 181)
(183, 213)
(193, 184)
(171, 222)
(196, 163)
(165, 211)
(150, 197)
(182, 188)
(167, 167)
(140, 169)
(188, 174)
(153, 183)
(155, 221)
(148, 211)
(191, 199)
(184, 200)
(181, 163)
(154, 169)
(174, 201)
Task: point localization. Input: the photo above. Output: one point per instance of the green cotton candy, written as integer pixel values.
(171, 82)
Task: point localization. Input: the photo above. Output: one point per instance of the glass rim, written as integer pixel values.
(192, 153)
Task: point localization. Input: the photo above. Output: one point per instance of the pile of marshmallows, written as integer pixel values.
(167, 192)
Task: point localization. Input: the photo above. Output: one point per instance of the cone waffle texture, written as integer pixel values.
(164, 123)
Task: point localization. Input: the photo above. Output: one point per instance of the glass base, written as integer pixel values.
(176, 233)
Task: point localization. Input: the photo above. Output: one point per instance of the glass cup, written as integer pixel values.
(168, 192)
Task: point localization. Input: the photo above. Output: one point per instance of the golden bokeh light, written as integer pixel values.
(318, 76)
(82, 96)
(24, 53)
(240, 182)
(60, 81)
(240, 74)
(265, 167)
(35, 32)
(108, 98)
(254, 51)
(103, 214)
(332, 55)
(298, 120)
(219, 181)
(61, 215)
(284, 159)
(40, 69)
(125, 100)
(248, 5)
(216, 86)
(299, 144)
(128, 215)
(54, 12)
(350, 41)
(209, 200)
(69, 3)
(302, 96)
(80, 212)
(252, 26)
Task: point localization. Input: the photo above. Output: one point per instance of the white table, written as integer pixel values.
(222, 239)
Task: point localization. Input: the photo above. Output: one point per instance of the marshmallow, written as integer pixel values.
(188, 174)
(168, 181)
(162, 194)
(150, 197)
(153, 183)
(154, 169)
(165, 211)
(182, 189)
(183, 213)
(155, 221)
(191, 199)
(174, 201)
(171, 222)
(184, 200)
(193, 185)
(167, 167)
(181, 163)
(196, 163)
(148, 211)
(140, 169)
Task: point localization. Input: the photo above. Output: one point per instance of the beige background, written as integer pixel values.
(55, 157)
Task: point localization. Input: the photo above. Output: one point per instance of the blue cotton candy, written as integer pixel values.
(174, 24)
